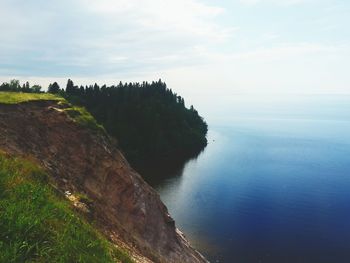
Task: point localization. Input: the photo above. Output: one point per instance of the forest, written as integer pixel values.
(149, 120)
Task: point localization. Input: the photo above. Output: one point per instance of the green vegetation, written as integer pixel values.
(78, 114)
(83, 117)
(14, 85)
(148, 119)
(18, 97)
(38, 225)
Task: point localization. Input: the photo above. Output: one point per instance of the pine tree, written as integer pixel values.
(70, 87)
(54, 88)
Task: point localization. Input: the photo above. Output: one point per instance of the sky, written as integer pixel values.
(199, 47)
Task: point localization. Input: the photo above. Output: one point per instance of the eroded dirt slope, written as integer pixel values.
(80, 160)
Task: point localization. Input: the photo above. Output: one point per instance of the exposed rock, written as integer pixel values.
(82, 161)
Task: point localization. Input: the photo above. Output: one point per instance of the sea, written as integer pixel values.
(273, 184)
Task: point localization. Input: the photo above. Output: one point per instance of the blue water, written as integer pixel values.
(273, 185)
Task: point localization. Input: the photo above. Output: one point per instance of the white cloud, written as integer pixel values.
(105, 36)
(181, 18)
(278, 2)
(292, 68)
(188, 43)
(284, 51)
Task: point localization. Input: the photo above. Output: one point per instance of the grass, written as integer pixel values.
(78, 114)
(38, 225)
(18, 97)
(83, 118)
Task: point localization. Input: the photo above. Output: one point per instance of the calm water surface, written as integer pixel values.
(273, 185)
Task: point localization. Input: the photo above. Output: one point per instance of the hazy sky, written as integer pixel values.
(196, 46)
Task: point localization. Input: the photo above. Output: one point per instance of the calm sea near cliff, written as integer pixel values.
(273, 184)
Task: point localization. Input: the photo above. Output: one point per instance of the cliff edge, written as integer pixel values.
(82, 160)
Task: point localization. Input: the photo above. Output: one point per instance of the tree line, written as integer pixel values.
(14, 85)
(149, 120)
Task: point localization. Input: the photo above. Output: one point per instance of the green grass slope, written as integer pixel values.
(18, 97)
(78, 114)
(39, 225)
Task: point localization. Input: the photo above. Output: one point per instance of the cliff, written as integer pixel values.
(80, 159)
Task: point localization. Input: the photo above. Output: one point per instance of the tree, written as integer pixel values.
(5, 86)
(70, 87)
(14, 85)
(54, 88)
(148, 119)
(26, 87)
(36, 88)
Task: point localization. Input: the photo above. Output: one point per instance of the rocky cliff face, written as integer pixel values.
(82, 161)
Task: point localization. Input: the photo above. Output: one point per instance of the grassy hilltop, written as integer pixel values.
(18, 97)
(37, 224)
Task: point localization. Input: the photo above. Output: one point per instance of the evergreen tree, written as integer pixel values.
(148, 119)
(70, 87)
(54, 88)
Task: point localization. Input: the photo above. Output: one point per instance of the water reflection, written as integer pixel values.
(158, 172)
